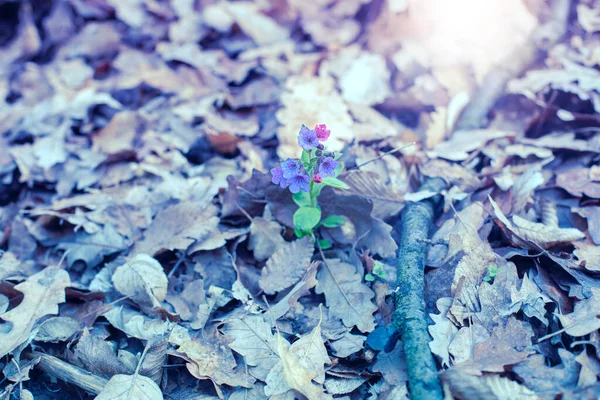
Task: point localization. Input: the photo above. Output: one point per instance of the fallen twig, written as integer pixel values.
(410, 316)
(67, 372)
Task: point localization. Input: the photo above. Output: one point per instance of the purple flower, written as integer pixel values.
(307, 139)
(299, 182)
(277, 177)
(291, 167)
(328, 167)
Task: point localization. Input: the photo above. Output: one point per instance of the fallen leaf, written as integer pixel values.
(367, 184)
(142, 278)
(584, 318)
(210, 357)
(461, 143)
(253, 339)
(348, 344)
(534, 234)
(42, 293)
(300, 364)
(287, 265)
(530, 299)
(177, 227)
(57, 329)
(588, 255)
(265, 238)
(442, 331)
(126, 387)
(346, 296)
(508, 345)
(96, 355)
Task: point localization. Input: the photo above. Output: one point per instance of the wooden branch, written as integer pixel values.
(67, 372)
(410, 316)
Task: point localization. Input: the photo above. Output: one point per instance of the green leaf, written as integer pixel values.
(379, 271)
(339, 169)
(300, 233)
(369, 278)
(325, 244)
(301, 199)
(305, 156)
(336, 155)
(333, 221)
(306, 218)
(335, 183)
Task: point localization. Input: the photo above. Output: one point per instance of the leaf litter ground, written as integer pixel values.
(147, 255)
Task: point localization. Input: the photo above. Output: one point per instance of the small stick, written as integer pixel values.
(382, 155)
(67, 372)
(410, 316)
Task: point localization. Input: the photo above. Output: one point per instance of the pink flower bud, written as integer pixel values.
(317, 178)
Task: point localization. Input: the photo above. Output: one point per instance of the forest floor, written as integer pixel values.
(146, 253)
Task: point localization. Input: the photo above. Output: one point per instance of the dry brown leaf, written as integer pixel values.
(265, 238)
(535, 235)
(135, 324)
(588, 256)
(253, 339)
(508, 345)
(442, 331)
(287, 265)
(42, 293)
(210, 358)
(461, 143)
(584, 319)
(93, 353)
(300, 364)
(177, 227)
(524, 188)
(530, 299)
(154, 360)
(348, 344)
(128, 387)
(367, 184)
(346, 296)
(143, 279)
(119, 134)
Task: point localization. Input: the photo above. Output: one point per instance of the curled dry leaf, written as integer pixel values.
(442, 331)
(128, 387)
(534, 235)
(300, 364)
(346, 296)
(143, 279)
(42, 293)
(287, 265)
(156, 357)
(211, 358)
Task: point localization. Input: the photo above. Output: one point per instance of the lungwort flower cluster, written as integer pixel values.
(315, 164)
